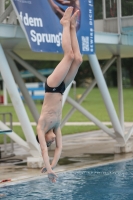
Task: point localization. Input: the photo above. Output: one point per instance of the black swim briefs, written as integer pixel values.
(59, 89)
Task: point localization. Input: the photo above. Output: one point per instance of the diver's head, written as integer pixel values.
(50, 137)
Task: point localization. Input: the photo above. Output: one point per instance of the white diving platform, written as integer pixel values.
(106, 44)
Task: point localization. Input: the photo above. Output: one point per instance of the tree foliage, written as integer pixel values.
(111, 8)
(127, 7)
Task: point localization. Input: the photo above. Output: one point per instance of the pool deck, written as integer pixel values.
(79, 151)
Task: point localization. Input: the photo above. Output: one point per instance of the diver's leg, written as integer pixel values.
(75, 47)
(63, 67)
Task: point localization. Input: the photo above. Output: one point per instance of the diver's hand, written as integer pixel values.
(52, 176)
(43, 170)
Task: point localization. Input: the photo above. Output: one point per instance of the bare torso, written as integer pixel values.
(52, 110)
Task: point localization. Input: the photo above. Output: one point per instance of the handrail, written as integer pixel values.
(4, 115)
(6, 13)
(5, 131)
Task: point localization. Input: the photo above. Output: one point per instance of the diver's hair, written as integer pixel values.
(37, 139)
(48, 144)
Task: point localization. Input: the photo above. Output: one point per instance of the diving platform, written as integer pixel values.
(106, 44)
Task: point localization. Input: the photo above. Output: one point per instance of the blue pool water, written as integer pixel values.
(109, 182)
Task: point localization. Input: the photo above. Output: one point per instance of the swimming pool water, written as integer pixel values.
(108, 182)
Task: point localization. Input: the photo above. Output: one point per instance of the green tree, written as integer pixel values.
(127, 64)
(98, 10)
(127, 7)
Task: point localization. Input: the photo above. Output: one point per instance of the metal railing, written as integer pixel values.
(106, 24)
(3, 117)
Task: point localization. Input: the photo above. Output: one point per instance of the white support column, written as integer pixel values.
(18, 105)
(120, 8)
(128, 135)
(87, 91)
(106, 96)
(104, 12)
(104, 9)
(2, 6)
(5, 94)
(12, 18)
(23, 89)
(14, 137)
(119, 16)
(66, 93)
(27, 66)
(91, 117)
(6, 13)
(120, 92)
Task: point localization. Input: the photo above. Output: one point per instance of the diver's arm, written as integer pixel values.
(58, 148)
(44, 149)
(40, 131)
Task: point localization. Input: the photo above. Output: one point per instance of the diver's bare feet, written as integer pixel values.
(74, 18)
(67, 16)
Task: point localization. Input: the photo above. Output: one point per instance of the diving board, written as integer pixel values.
(5, 131)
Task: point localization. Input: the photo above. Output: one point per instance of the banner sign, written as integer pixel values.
(40, 20)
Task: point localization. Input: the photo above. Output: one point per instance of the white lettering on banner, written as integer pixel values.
(91, 38)
(30, 21)
(85, 43)
(44, 37)
(40, 37)
(90, 3)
